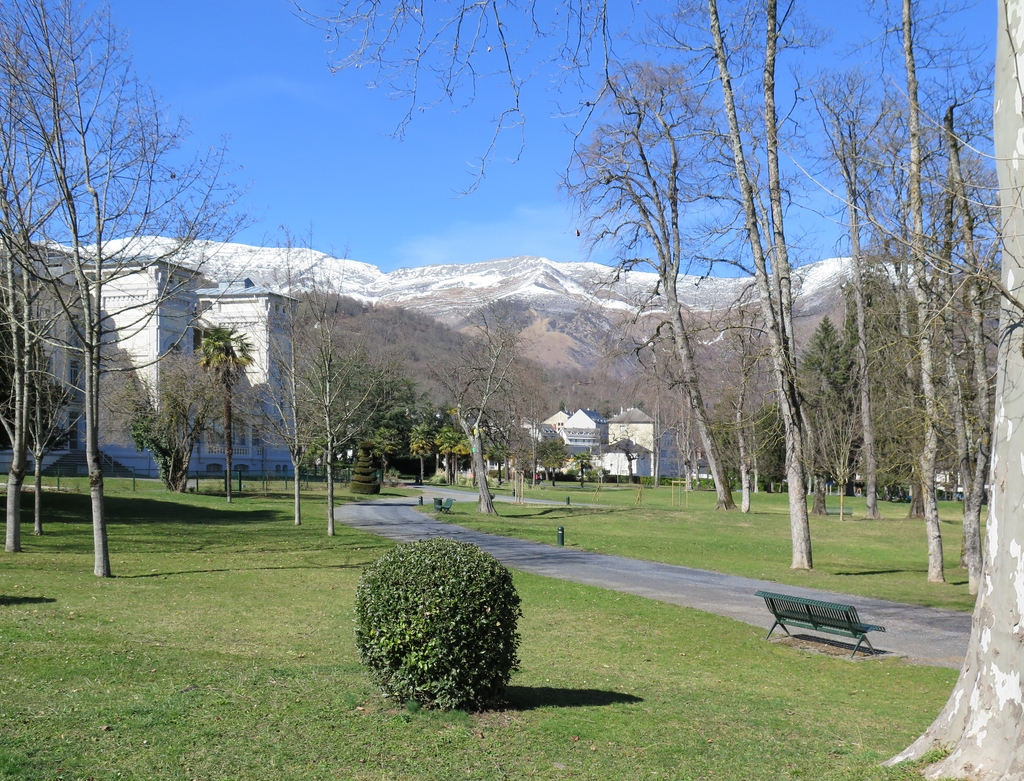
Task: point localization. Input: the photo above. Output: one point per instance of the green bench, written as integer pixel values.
(830, 617)
(443, 505)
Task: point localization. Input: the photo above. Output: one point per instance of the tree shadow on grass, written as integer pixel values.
(230, 569)
(524, 698)
(120, 510)
(882, 571)
(7, 600)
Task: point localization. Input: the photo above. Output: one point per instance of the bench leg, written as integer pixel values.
(777, 623)
(863, 639)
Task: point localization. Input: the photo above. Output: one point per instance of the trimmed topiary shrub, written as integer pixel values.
(364, 476)
(436, 624)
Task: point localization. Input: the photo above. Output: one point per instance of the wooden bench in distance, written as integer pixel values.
(830, 617)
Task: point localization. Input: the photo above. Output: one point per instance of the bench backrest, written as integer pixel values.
(811, 611)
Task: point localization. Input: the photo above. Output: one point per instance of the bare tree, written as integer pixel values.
(280, 398)
(342, 384)
(919, 282)
(850, 117)
(477, 376)
(639, 176)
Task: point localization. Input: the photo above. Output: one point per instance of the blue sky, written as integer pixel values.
(315, 150)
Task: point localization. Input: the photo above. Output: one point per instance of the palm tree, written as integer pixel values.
(226, 353)
(421, 442)
(449, 441)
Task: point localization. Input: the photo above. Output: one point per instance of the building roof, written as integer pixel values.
(559, 417)
(585, 418)
(632, 415)
(243, 288)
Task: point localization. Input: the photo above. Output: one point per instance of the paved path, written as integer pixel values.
(920, 634)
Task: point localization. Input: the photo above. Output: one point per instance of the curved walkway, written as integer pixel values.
(922, 635)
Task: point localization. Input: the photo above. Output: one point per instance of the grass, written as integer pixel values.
(885, 559)
(224, 650)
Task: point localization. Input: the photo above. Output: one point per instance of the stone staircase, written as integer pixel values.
(73, 463)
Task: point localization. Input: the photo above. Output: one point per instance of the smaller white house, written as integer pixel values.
(633, 436)
(625, 456)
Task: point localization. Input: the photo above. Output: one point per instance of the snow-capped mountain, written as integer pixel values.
(453, 290)
(575, 307)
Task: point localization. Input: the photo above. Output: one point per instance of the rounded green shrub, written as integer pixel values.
(436, 624)
(364, 476)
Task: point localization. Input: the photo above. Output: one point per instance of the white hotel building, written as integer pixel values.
(160, 308)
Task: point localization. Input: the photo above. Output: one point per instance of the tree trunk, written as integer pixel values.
(981, 722)
(297, 492)
(229, 449)
(329, 467)
(37, 506)
(16, 316)
(820, 508)
(744, 465)
(484, 503)
(101, 552)
(916, 509)
(974, 495)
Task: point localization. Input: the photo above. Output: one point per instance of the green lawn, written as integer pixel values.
(224, 650)
(886, 559)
